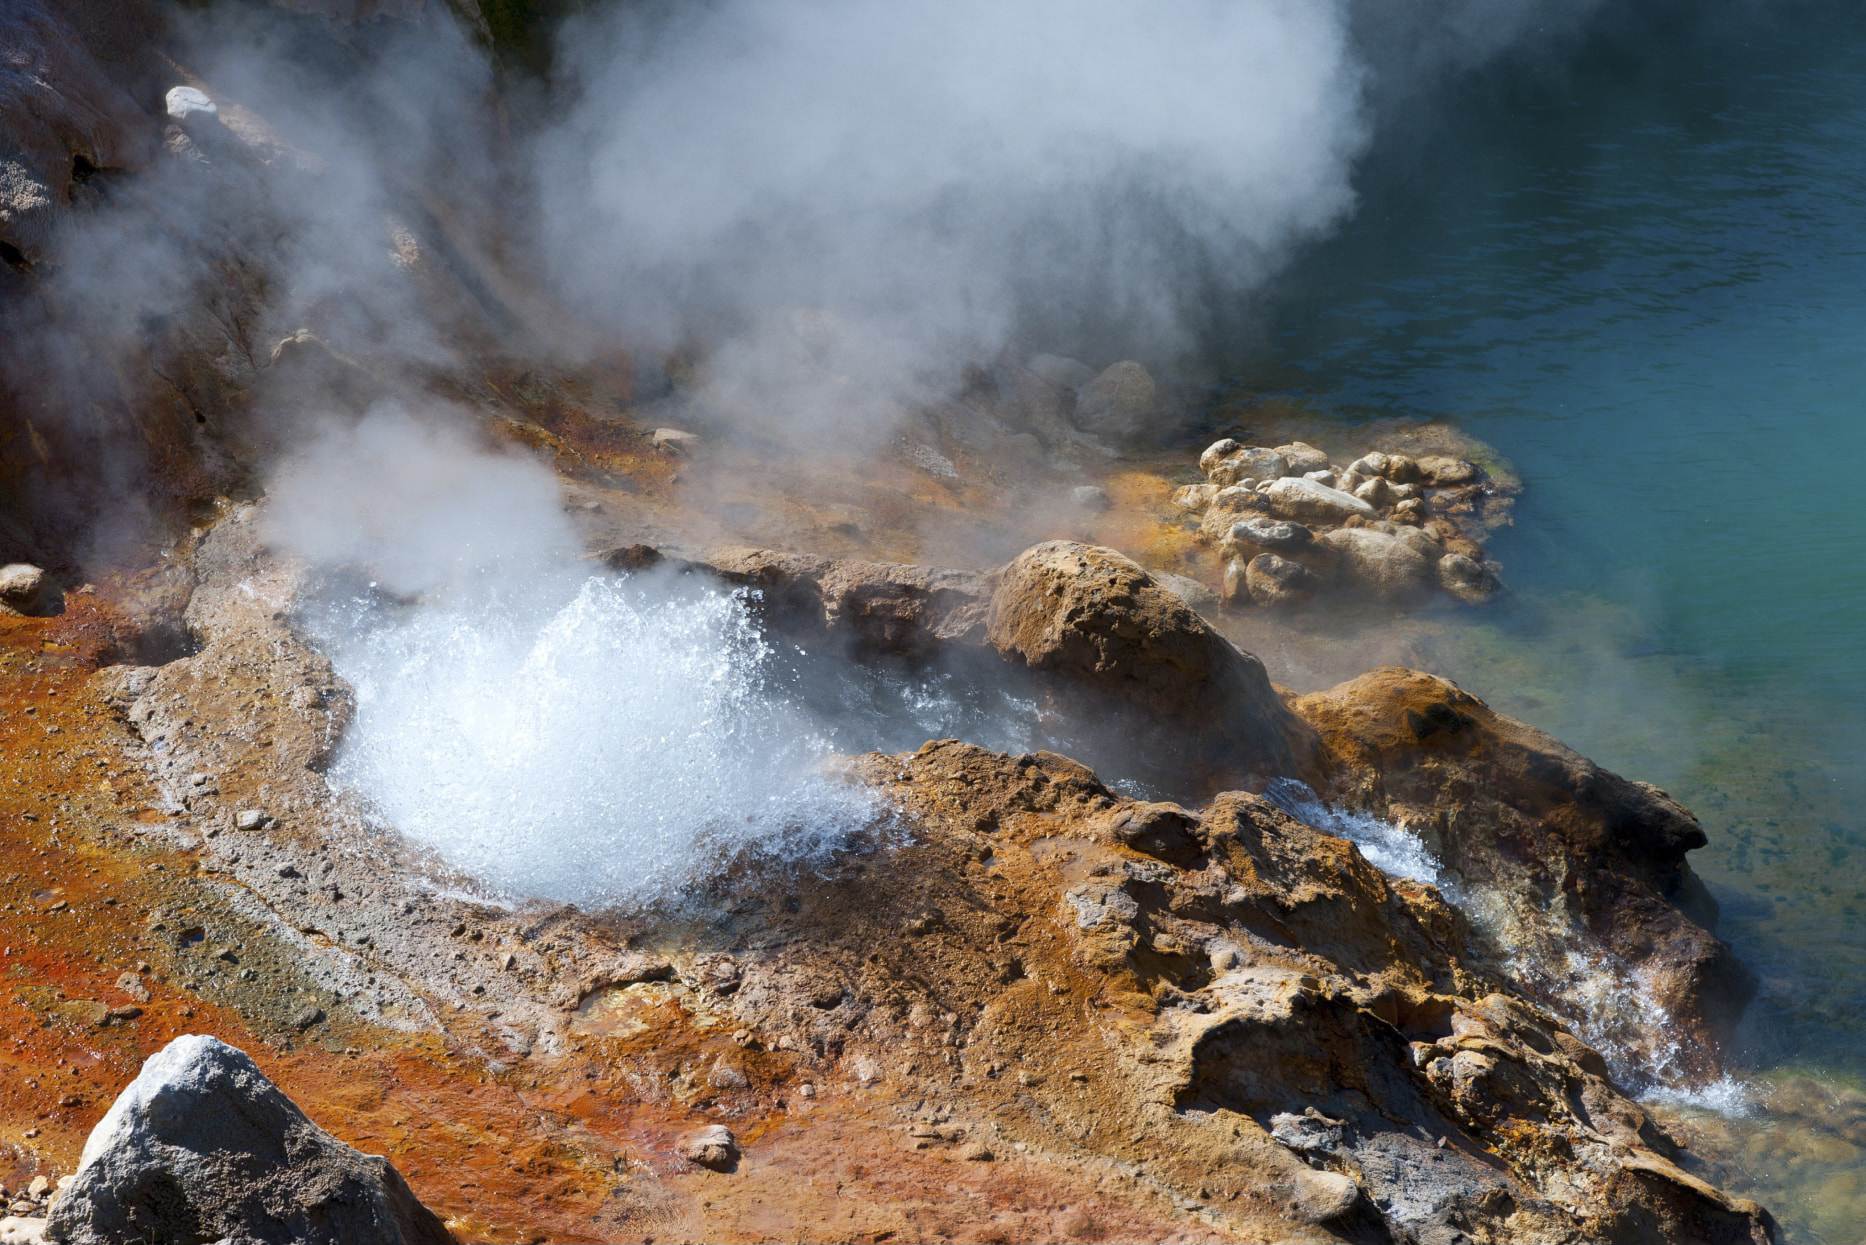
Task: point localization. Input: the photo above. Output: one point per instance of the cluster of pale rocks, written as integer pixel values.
(1290, 525)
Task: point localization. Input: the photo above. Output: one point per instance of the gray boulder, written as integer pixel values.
(24, 588)
(1296, 498)
(1273, 581)
(1303, 457)
(1392, 567)
(1117, 404)
(1272, 535)
(202, 1147)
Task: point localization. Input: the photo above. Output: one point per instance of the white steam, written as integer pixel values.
(930, 180)
(552, 734)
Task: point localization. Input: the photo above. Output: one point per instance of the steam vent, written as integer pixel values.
(911, 622)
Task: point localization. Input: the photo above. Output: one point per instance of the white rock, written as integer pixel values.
(1374, 464)
(1323, 1197)
(22, 1230)
(21, 586)
(1217, 452)
(1302, 457)
(249, 819)
(186, 103)
(1295, 498)
(675, 440)
(1250, 461)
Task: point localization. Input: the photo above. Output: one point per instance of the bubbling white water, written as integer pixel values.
(1392, 849)
(613, 749)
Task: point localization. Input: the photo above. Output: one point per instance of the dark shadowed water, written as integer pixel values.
(1643, 279)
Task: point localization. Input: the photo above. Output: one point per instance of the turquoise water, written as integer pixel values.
(1641, 275)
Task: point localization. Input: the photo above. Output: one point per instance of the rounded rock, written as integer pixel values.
(1294, 498)
(186, 103)
(22, 587)
(1303, 457)
(1274, 581)
(1060, 372)
(1279, 536)
(1118, 403)
(713, 1147)
(1217, 452)
(1252, 462)
(1387, 565)
(1444, 471)
(1324, 1197)
(1377, 493)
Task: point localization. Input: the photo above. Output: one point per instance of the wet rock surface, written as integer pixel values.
(1573, 856)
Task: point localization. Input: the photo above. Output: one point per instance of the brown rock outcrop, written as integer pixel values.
(1095, 618)
(1567, 855)
(877, 607)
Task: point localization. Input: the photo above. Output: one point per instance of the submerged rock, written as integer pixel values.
(202, 1147)
(1466, 579)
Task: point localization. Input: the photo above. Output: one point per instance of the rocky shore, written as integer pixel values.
(1211, 960)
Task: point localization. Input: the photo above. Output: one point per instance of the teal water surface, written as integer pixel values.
(1641, 275)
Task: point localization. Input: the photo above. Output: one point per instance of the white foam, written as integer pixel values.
(611, 749)
(1392, 849)
(1726, 1096)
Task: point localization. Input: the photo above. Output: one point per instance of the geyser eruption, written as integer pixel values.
(551, 733)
